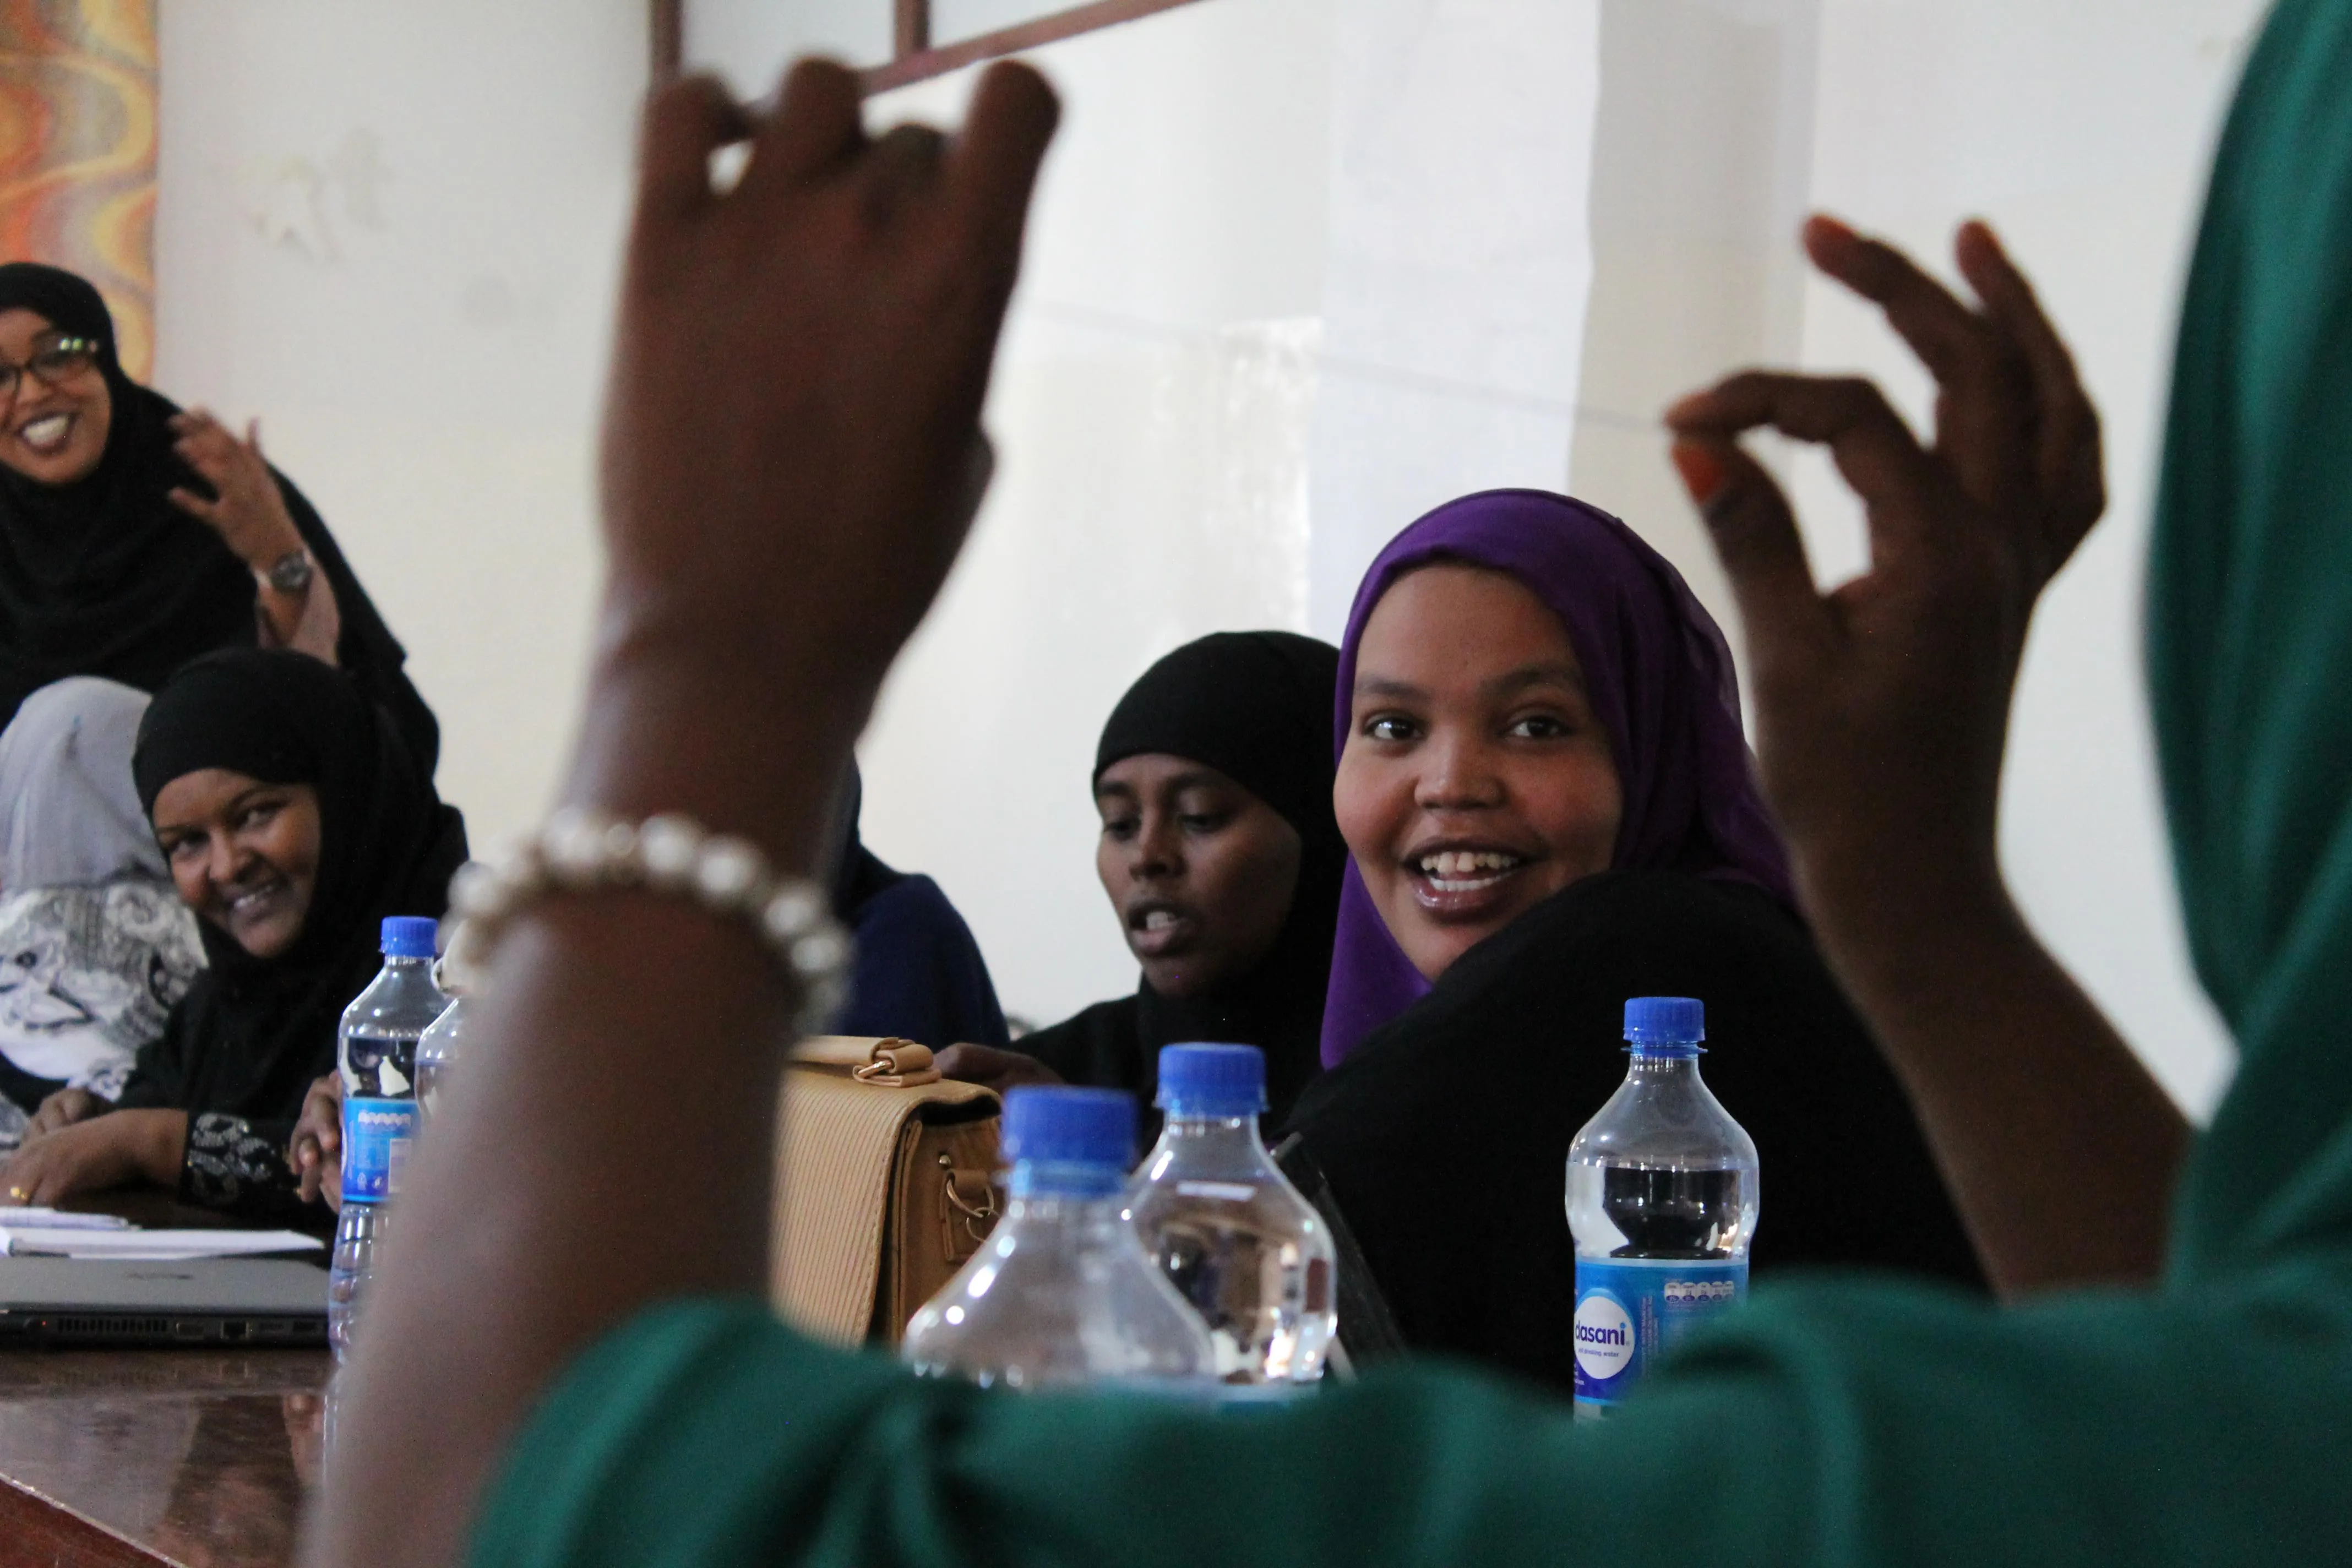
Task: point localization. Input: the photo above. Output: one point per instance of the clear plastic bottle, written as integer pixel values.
(437, 1050)
(1662, 1198)
(1062, 1292)
(377, 1052)
(1226, 1227)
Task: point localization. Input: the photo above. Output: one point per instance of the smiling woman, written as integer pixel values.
(1550, 808)
(138, 535)
(293, 819)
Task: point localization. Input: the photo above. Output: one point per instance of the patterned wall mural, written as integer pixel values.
(78, 151)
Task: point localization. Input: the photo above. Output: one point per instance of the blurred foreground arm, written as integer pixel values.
(1882, 709)
(792, 455)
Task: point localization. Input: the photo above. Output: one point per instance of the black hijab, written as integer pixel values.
(252, 1032)
(105, 576)
(1256, 707)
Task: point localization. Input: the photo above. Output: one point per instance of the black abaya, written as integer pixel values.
(1444, 1135)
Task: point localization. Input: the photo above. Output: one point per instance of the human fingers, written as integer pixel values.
(2068, 447)
(992, 166)
(1755, 536)
(1872, 445)
(683, 124)
(903, 163)
(194, 505)
(1951, 340)
(1983, 415)
(816, 128)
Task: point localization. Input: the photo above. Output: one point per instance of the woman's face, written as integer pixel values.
(1200, 871)
(1475, 781)
(244, 854)
(54, 434)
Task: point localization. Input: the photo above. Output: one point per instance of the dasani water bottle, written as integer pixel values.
(1662, 1203)
(377, 1055)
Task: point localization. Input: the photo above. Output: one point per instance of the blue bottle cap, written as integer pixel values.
(409, 936)
(1057, 1126)
(1211, 1080)
(1673, 1025)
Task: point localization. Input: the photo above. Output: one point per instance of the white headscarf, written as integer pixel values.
(72, 812)
(95, 946)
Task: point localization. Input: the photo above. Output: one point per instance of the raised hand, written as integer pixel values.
(249, 512)
(791, 447)
(1882, 709)
(791, 457)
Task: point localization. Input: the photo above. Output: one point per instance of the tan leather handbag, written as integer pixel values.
(884, 1185)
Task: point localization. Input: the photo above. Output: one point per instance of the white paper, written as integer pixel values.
(28, 1216)
(148, 1245)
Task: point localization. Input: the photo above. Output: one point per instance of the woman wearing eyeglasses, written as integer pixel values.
(135, 536)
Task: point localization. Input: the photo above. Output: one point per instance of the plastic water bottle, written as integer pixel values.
(437, 1050)
(378, 1056)
(1662, 1202)
(1226, 1227)
(1062, 1292)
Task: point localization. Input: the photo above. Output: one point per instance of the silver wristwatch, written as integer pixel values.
(292, 572)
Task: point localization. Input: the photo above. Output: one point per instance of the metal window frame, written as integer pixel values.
(914, 59)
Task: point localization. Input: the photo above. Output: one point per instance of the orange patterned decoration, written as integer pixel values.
(78, 151)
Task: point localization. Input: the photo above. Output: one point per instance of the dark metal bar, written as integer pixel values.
(929, 62)
(910, 27)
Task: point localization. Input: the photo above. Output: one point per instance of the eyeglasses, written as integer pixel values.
(55, 364)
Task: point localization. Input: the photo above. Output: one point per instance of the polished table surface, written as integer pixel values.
(186, 1456)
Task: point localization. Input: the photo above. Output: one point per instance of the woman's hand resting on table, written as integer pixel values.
(118, 1148)
(992, 1069)
(64, 1108)
(315, 1153)
(1881, 712)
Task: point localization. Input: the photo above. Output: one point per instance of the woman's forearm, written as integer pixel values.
(613, 1150)
(2059, 1147)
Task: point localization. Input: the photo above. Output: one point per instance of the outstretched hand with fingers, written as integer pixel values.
(1881, 712)
(1882, 706)
(793, 447)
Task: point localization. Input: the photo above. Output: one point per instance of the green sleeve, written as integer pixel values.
(707, 1434)
(1849, 1422)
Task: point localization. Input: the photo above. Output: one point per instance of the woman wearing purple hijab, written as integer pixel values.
(1550, 807)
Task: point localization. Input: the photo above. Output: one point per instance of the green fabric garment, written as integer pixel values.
(1844, 1422)
(2250, 650)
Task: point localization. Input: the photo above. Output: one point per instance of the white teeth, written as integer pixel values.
(47, 432)
(1159, 919)
(1464, 866)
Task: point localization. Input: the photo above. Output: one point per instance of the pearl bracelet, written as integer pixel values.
(581, 851)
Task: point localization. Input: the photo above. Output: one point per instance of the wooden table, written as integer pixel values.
(192, 1458)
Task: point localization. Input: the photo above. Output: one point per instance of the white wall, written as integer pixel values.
(1299, 268)
(2082, 131)
(1277, 266)
(391, 232)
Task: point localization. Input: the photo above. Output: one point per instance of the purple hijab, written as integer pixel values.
(1662, 684)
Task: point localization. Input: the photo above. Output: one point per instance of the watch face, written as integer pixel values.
(291, 575)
